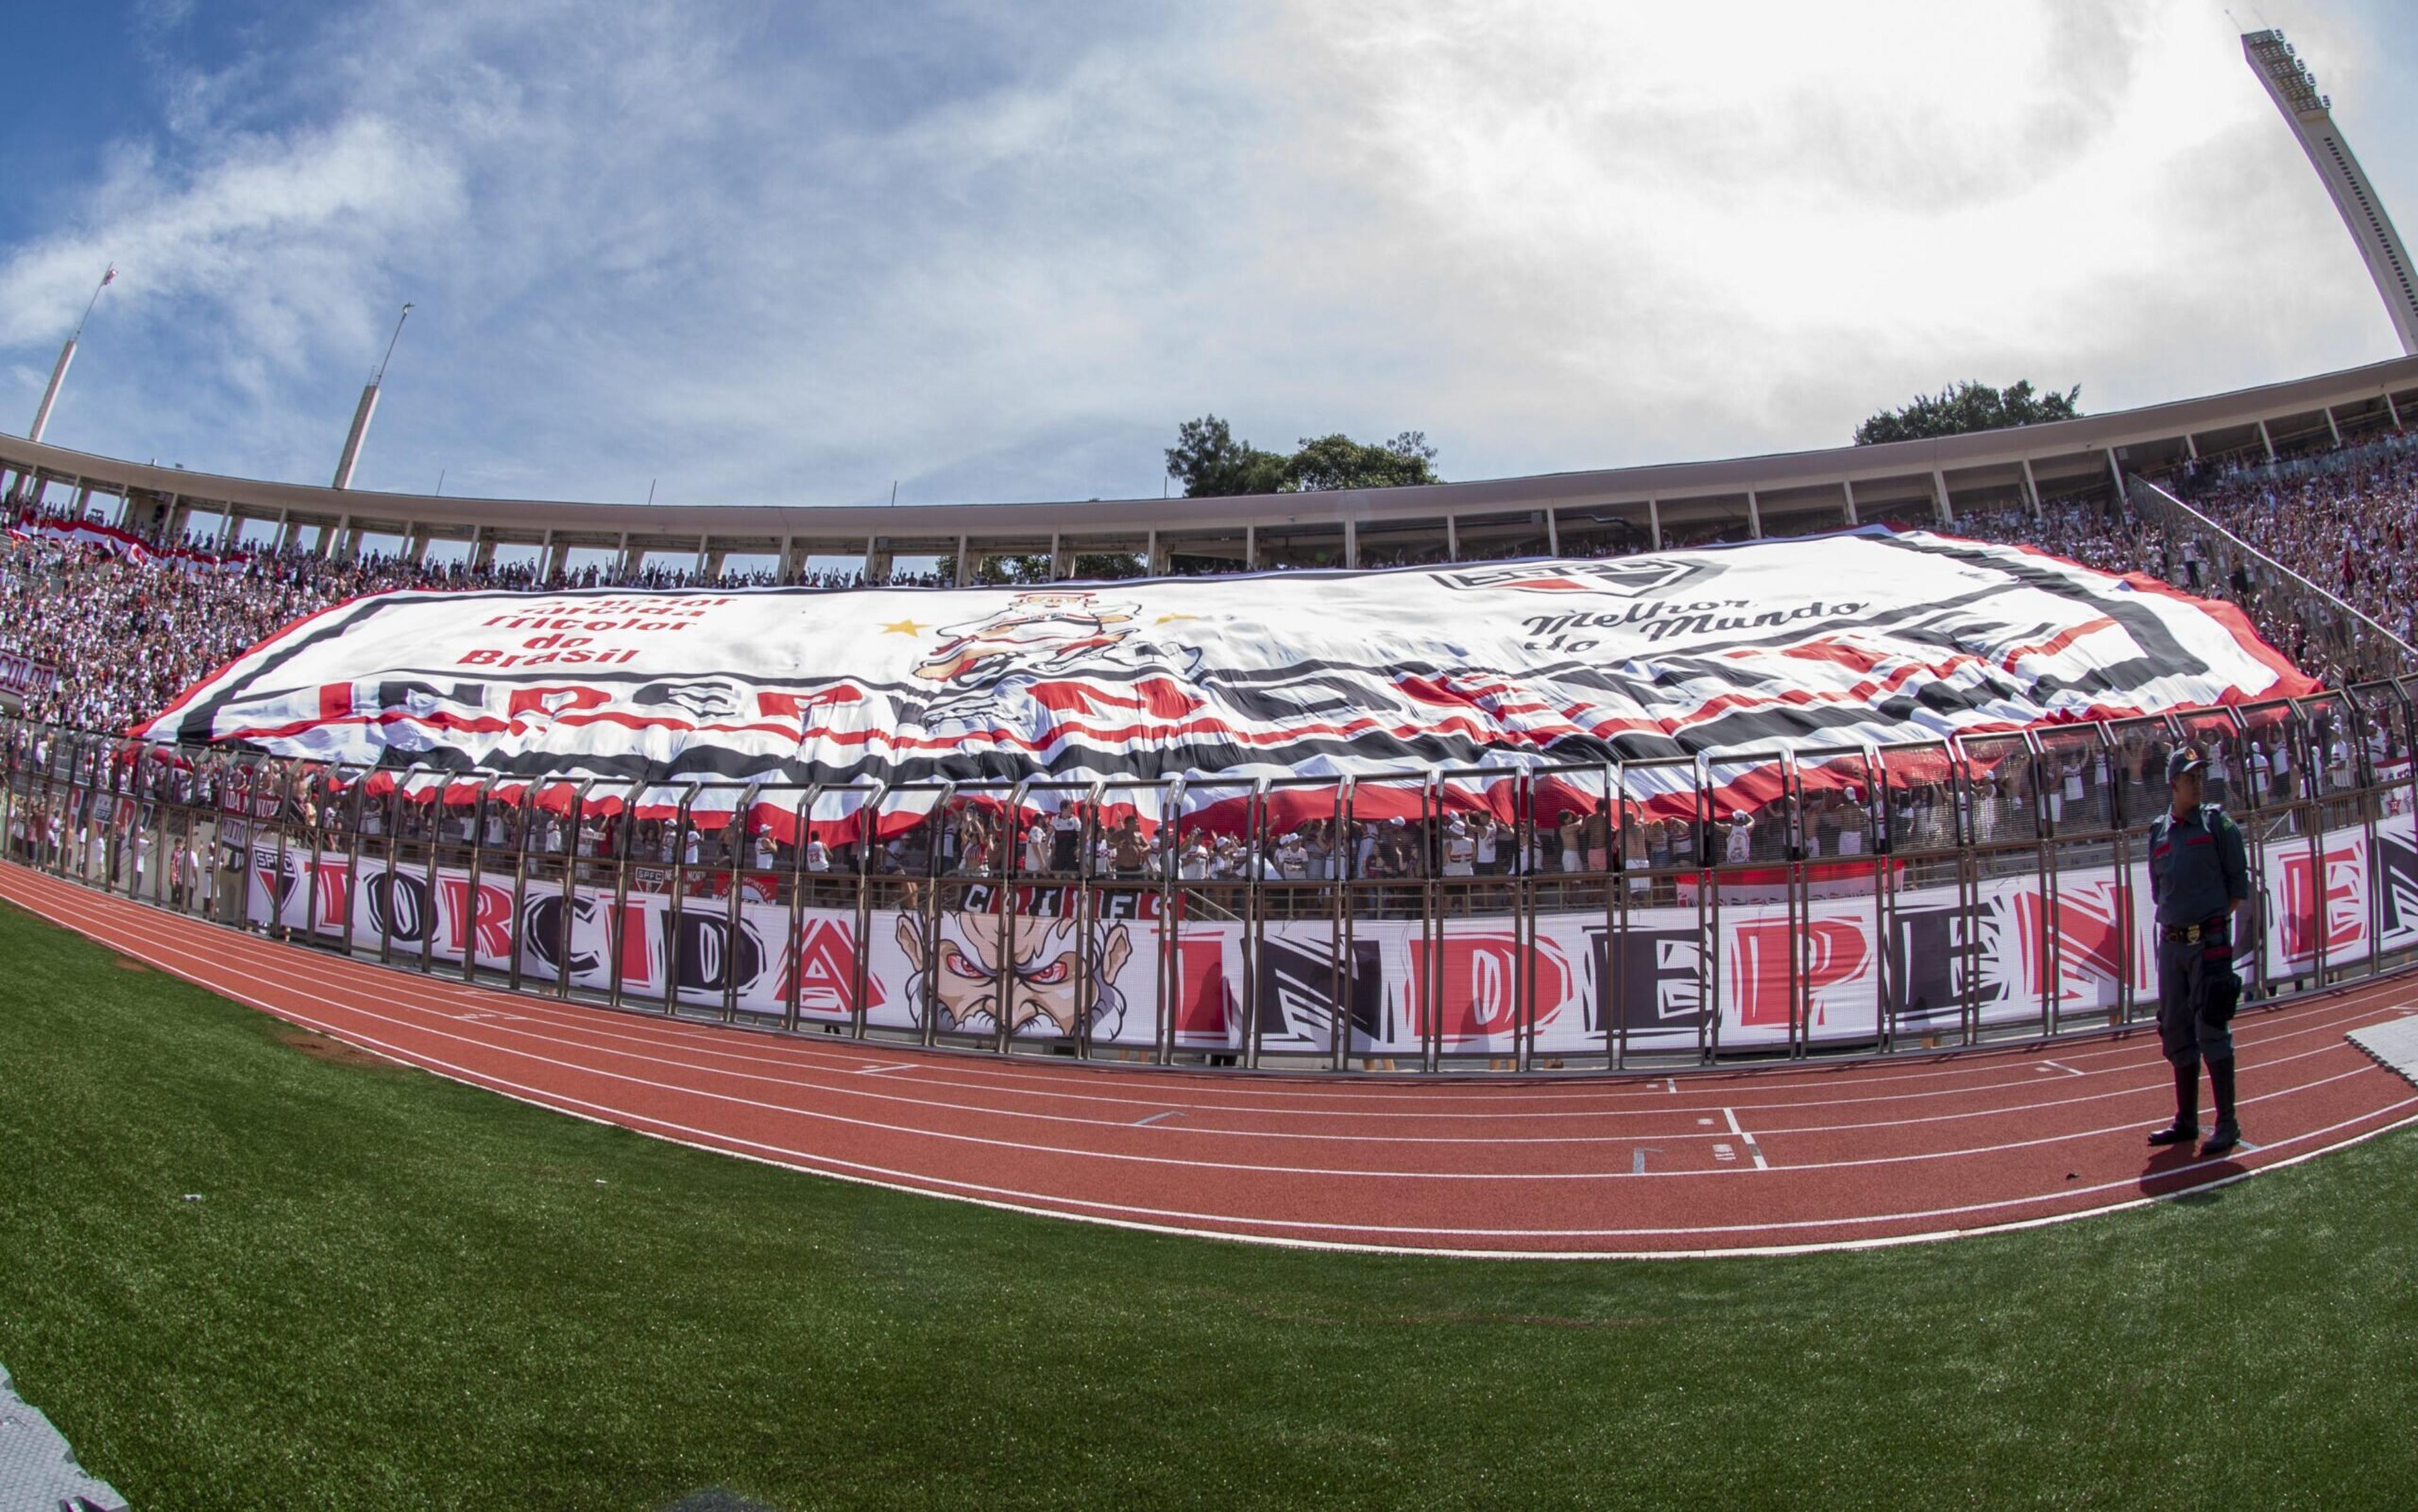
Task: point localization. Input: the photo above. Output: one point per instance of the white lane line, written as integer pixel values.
(2060, 1066)
(578, 1068)
(1751, 1148)
(1050, 1206)
(1176, 1221)
(579, 1021)
(584, 1023)
(860, 1071)
(652, 1054)
(1000, 1079)
(1143, 1122)
(710, 1096)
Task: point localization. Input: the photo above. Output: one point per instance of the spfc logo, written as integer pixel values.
(1631, 577)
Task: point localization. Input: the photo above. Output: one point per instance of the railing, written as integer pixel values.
(1924, 896)
(2348, 636)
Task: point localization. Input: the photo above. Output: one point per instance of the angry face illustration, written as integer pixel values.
(1048, 986)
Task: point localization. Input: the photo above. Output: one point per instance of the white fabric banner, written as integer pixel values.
(1863, 637)
(1385, 980)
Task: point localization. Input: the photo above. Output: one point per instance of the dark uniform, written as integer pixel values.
(2198, 869)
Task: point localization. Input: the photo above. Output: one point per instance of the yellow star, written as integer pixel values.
(904, 627)
(1170, 619)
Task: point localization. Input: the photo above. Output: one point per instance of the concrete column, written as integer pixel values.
(1057, 558)
(2116, 473)
(284, 531)
(2330, 426)
(1754, 516)
(1847, 486)
(2191, 444)
(1451, 537)
(705, 564)
(2031, 491)
(1654, 521)
(550, 557)
(335, 544)
(482, 549)
(1553, 536)
(1939, 498)
(2267, 440)
(2393, 409)
(876, 565)
(1350, 543)
(629, 563)
(965, 561)
(1250, 548)
(1154, 560)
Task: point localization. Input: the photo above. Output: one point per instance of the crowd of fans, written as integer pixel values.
(116, 636)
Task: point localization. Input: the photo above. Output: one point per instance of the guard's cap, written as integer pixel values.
(2184, 759)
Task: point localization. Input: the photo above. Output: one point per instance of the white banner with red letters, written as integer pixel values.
(2009, 950)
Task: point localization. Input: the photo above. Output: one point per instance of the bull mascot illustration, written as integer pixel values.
(983, 665)
(1055, 981)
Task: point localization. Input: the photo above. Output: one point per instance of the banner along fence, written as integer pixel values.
(1925, 894)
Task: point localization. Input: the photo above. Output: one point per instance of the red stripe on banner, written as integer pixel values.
(152, 728)
(2056, 643)
(2291, 681)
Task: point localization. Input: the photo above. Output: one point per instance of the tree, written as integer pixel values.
(1970, 406)
(1340, 461)
(1212, 463)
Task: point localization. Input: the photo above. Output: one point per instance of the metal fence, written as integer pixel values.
(1633, 914)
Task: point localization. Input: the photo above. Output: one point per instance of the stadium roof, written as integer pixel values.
(1786, 493)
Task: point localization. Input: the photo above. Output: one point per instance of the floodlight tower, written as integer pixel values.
(2311, 115)
(367, 407)
(66, 359)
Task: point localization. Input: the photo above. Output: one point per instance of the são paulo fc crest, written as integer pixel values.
(1631, 577)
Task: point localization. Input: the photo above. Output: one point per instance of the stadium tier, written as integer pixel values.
(1738, 771)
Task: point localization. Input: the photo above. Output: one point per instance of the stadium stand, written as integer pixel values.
(126, 630)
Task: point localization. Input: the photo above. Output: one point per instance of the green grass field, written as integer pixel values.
(400, 1292)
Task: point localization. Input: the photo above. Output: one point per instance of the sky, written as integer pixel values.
(801, 253)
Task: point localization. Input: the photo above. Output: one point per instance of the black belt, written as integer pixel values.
(2194, 934)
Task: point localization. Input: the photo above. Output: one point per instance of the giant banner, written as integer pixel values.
(1863, 637)
(1129, 971)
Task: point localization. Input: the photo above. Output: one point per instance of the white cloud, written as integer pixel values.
(791, 257)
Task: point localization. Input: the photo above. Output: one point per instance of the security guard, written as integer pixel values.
(2200, 878)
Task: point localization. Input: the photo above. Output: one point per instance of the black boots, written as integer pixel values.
(2185, 1127)
(2228, 1133)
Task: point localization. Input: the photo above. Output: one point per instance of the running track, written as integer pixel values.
(1757, 1161)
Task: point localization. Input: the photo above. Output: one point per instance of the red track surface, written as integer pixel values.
(1763, 1160)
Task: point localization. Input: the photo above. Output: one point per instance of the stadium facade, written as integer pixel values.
(1573, 514)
